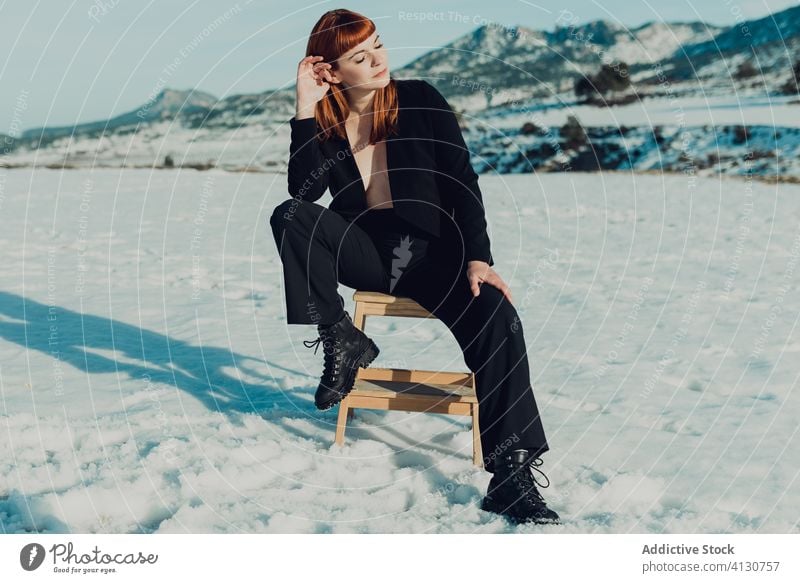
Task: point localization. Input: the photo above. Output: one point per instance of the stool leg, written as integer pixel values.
(477, 457)
(351, 413)
(341, 422)
(359, 321)
(359, 317)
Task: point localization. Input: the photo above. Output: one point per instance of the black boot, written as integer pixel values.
(512, 490)
(346, 348)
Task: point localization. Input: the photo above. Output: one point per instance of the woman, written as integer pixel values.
(406, 218)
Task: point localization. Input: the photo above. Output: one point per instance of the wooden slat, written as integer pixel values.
(428, 391)
(434, 377)
(414, 404)
(373, 297)
(379, 304)
(399, 311)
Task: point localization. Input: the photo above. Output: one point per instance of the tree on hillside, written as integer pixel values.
(573, 133)
(744, 70)
(613, 79)
(584, 88)
(792, 86)
(610, 79)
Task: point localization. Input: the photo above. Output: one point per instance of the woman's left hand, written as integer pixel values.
(481, 272)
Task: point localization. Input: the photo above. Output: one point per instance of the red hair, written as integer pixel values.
(335, 33)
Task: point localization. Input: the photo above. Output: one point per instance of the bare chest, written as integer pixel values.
(371, 162)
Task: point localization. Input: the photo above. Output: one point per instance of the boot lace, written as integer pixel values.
(524, 478)
(331, 344)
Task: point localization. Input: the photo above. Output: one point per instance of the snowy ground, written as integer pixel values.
(742, 109)
(149, 382)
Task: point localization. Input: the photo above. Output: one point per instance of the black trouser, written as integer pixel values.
(381, 252)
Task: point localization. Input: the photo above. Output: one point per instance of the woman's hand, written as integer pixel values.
(313, 77)
(481, 272)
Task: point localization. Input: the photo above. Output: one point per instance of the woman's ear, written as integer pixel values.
(334, 77)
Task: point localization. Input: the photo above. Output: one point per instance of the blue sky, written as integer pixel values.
(68, 61)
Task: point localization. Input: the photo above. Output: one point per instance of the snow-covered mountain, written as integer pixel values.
(754, 35)
(522, 61)
(168, 104)
(770, 44)
(516, 76)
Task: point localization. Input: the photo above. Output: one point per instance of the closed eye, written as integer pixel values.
(365, 58)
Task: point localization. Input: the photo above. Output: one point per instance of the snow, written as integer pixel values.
(743, 109)
(656, 41)
(149, 382)
(262, 146)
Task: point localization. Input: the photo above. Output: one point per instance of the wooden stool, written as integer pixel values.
(394, 389)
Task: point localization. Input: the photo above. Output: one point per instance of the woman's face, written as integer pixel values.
(364, 67)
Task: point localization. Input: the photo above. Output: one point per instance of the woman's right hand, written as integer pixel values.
(312, 84)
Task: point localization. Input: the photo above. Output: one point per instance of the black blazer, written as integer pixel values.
(429, 171)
